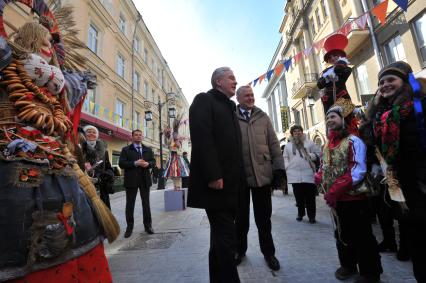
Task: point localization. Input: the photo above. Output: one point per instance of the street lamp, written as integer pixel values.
(148, 117)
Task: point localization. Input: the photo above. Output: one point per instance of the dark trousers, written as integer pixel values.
(305, 198)
(104, 195)
(185, 182)
(222, 268)
(356, 244)
(130, 205)
(262, 208)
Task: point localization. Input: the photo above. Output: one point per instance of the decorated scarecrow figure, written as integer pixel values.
(52, 222)
(333, 79)
(176, 167)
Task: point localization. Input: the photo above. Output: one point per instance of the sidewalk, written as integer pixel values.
(178, 251)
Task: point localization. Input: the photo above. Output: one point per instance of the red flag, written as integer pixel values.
(380, 11)
(297, 57)
(278, 69)
(361, 22)
(319, 44)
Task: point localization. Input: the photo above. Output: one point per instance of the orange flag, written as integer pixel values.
(380, 11)
(297, 57)
(278, 69)
(261, 78)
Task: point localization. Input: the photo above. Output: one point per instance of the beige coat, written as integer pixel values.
(261, 149)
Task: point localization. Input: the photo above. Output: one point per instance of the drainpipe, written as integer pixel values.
(376, 49)
(139, 18)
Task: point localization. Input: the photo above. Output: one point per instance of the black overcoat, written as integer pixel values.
(136, 176)
(216, 152)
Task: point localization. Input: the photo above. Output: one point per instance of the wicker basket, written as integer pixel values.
(7, 113)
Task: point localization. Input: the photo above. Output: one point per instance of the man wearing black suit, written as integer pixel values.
(216, 169)
(136, 160)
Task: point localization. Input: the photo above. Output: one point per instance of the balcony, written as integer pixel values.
(357, 38)
(303, 85)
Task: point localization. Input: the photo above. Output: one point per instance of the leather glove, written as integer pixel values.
(278, 177)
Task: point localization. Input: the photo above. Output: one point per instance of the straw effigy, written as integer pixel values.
(105, 216)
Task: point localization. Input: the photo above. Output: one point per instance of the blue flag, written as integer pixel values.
(403, 4)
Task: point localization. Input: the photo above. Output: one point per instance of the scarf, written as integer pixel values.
(386, 127)
(298, 144)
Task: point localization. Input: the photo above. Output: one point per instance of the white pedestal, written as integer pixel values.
(174, 199)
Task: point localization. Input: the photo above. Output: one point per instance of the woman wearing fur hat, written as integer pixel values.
(396, 117)
(96, 162)
(341, 176)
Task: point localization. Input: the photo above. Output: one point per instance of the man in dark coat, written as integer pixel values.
(136, 159)
(216, 169)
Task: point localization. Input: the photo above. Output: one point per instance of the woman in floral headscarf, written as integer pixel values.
(397, 118)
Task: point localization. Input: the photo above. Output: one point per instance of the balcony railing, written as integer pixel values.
(309, 78)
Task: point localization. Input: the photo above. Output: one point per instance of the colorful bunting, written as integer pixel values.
(307, 51)
(269, 74)
(278, 69)
(346, 29)
(297, 57)
(255, 82)
(380, 11)
(361, 21)
(287, 64)
(261, 78)
(403, 4)
(319, 45)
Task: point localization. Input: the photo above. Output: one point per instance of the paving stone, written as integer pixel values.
(307, 252)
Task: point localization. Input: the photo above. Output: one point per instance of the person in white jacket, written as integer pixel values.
(300, 155)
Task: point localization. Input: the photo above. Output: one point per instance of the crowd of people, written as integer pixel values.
(371, 163)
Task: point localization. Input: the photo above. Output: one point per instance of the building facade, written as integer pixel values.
(305, 22)
(132, 75)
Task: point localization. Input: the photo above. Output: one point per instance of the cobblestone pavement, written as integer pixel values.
(178, 251)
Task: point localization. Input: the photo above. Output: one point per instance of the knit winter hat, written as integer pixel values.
(399, 69)
(87, 127)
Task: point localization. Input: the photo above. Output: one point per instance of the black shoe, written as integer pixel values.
(343, 273)
(239, 258)
(403, 255)
(128, 232)
(312, 221)
(272, 262)
(368, 279)
(387, 247)
(149, 230)
(299, 218)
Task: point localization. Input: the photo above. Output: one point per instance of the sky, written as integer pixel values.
(197, 36)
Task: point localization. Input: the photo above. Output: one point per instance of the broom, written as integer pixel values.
(106, 218)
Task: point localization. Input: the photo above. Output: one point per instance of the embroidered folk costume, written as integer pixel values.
(176, 167)
(52, 222)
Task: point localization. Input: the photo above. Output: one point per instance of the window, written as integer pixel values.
(115, 158)
(136, 81)
(362, 80)
(145, 128)
(314, 32)
(152, 94)
(137, 45)
(394, 50)
(92, 41)
(122, 23)
(136, 120)
(296, 115)
(318, 18)
(420, 33)
(89, 102)
(119, 110)
(323, 9)
(153, 130)
(145, 55)
(145, 89)
(120, 65)
(152, 64)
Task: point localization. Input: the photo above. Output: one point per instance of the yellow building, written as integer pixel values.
(306, 22)
(132, 75)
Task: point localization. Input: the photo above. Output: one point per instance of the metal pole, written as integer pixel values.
(373, 36)
(160, 178)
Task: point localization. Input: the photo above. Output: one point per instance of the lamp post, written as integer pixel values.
(148, 117)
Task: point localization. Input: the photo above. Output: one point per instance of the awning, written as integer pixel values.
(107, 130)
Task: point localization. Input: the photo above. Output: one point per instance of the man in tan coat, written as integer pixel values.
(264, 167)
